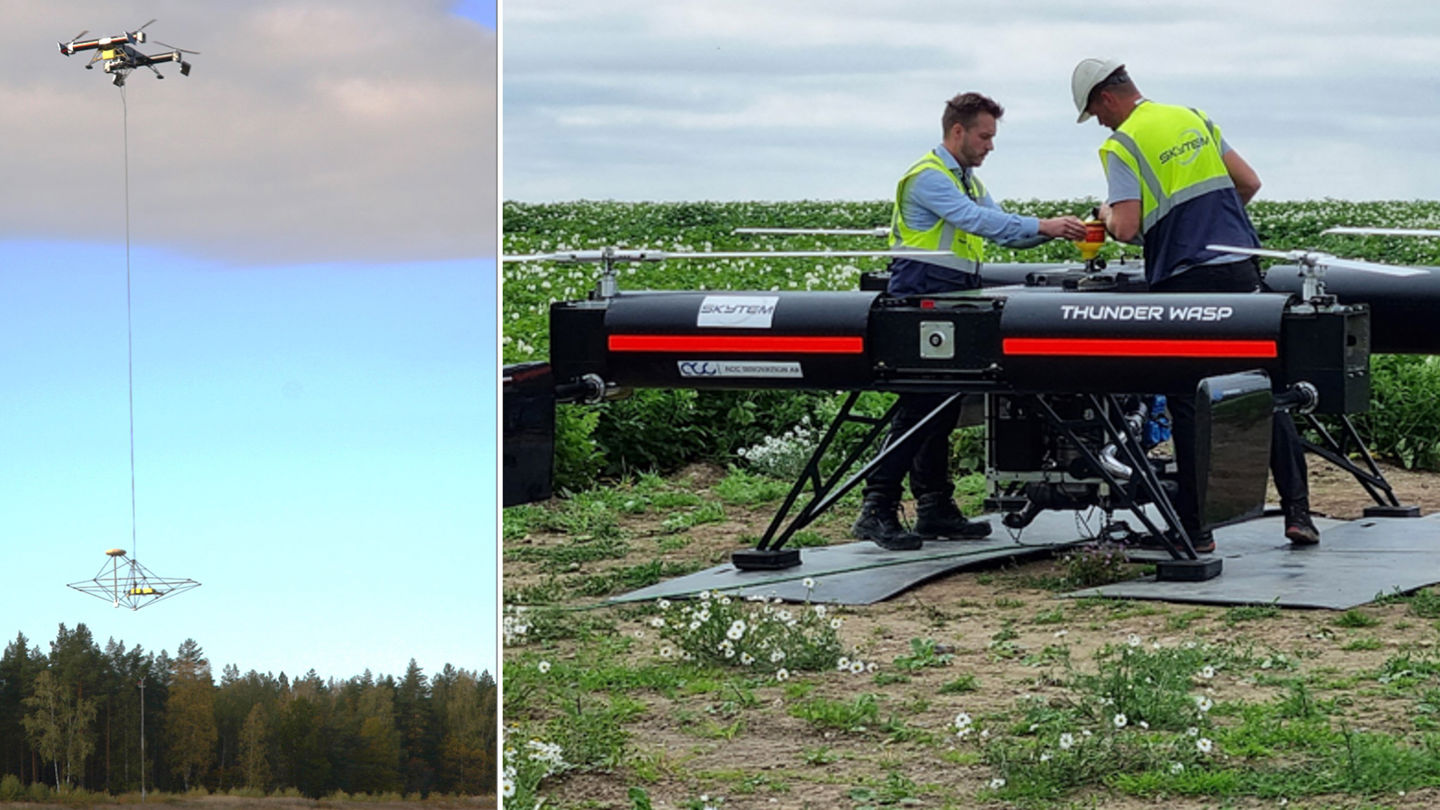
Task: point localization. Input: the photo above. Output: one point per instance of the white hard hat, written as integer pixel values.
(1089, 73)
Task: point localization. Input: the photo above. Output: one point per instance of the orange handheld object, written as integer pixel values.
(1094, 238)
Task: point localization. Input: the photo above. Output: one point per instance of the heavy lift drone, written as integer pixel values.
(118, 58)
(1061, 354)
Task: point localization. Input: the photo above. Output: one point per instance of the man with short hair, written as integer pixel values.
(941, 205)
(1175, 184)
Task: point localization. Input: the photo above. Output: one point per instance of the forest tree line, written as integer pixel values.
(73, 719)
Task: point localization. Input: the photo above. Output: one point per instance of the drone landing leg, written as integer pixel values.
(1370, 478)
(768, 554)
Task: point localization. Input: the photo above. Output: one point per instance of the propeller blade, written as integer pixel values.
(877, 231)
(625, 255)
(1249, 251)
(1360, 231)
(79, 35)
(1372, 267)
(1322, 260)
(146, 25)
(172, 47)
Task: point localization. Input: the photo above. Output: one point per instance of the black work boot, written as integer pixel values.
(1299, 528)
(937, 518)
(879, 522)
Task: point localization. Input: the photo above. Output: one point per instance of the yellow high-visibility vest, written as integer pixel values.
(1175, 151)
(968, 248)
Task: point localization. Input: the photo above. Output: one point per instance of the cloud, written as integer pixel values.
(307, 131)
(745, 99)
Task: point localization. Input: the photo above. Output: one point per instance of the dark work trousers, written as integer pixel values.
(1287, 455)
(926, 457)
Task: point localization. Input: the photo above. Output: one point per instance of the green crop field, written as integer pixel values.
(664, 429)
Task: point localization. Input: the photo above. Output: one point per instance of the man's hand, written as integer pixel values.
(1069, 227)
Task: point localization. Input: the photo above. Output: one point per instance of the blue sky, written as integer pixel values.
(314, 335)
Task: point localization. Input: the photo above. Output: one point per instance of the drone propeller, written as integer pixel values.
(608, 257)
(79, 35)
(143, 27)
(622, 255)
(173, 48)
(877, 231)
(1358, 231)
(1315, 259)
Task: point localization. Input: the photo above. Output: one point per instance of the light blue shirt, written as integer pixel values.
(930, 198)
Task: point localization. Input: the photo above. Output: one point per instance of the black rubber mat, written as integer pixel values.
(1355, 562)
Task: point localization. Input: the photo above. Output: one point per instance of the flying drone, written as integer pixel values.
(124, 582)
(118, 58)
(1060, 353)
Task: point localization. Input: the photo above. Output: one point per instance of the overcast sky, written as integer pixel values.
(312, 227)
(832, 99)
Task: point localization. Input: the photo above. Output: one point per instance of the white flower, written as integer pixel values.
(820, 611)
(1154, 645)
(736, 631)
(1067, 741)
(997, 783)
(703, 616)
(704, 596)
(1144, 725)
(1203, 745)
(1133, 640)
(871, 667)
(782, 615)
(507, 788)
(666, 652)
(1193, 731)
(1207, 673)
(843, 664)
(1120, 720)
(835, 623)
(1177, 768)
(963, 720)
(729, 652)
(809, 583)
(1045, 756)
(747, 659)
(663, 604)
(657, 622)
(985, 734)
(857, 666)
(724, 600)
(544, 667)
(1203, 703)
(782, 674)
(777, 656)
(639, 633)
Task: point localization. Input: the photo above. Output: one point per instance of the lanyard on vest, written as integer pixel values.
(966, 187)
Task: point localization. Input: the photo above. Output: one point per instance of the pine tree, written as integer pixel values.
(254, 759)
(190, 715)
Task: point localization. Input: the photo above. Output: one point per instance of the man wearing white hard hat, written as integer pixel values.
(1175, 185)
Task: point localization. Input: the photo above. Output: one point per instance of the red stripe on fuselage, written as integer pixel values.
(739, 344)
(1134, 347)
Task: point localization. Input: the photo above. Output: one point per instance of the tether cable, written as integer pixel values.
(129, 326)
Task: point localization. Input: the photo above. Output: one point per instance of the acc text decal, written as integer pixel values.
(738, 368)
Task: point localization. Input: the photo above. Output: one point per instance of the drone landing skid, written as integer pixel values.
(124, 582)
